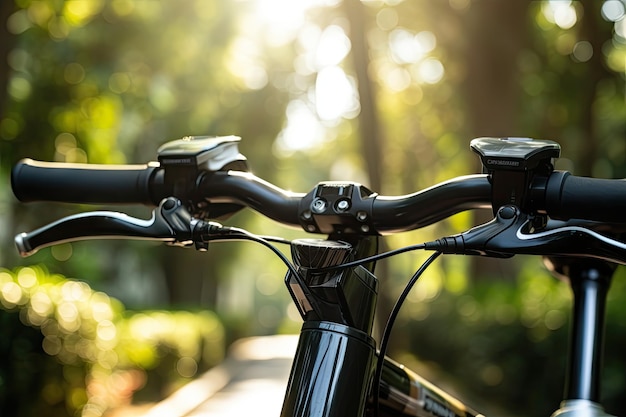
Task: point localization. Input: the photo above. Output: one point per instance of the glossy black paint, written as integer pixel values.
(331, 373)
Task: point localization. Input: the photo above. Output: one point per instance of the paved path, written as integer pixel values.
(251, 381)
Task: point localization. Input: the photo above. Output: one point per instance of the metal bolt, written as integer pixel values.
(361, 216)
(310, 228)
(307, 215)
(365, 228)
(343, 205)
(318, 205)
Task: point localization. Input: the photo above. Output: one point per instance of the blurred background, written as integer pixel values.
(386, 93)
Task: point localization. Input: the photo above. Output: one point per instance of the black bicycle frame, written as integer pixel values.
(333, 367)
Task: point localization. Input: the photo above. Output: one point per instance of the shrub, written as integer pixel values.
(68, 349)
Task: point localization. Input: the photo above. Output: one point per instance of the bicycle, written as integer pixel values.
(338, 369)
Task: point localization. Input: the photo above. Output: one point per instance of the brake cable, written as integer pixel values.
(384, 342)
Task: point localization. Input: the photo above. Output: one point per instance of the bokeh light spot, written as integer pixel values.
(582, 52)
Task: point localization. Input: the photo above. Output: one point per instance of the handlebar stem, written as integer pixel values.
(338, 208)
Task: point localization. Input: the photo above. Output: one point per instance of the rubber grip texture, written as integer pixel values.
(572, 197)
(82, 183)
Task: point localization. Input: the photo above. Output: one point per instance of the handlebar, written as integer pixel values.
(563, 197)
(144, 184)
(334, 208)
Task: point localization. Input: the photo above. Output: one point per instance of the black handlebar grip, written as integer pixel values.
(83, 183)
(595, 199)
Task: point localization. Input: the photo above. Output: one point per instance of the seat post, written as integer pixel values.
(590, 282)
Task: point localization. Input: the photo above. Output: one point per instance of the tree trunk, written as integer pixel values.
(369, 126)
(495, 34)
(370, 135)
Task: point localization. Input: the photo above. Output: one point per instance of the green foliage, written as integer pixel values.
(100, 81)
(74, 348)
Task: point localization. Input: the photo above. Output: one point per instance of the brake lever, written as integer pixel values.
(171, 222)
(512, 232)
